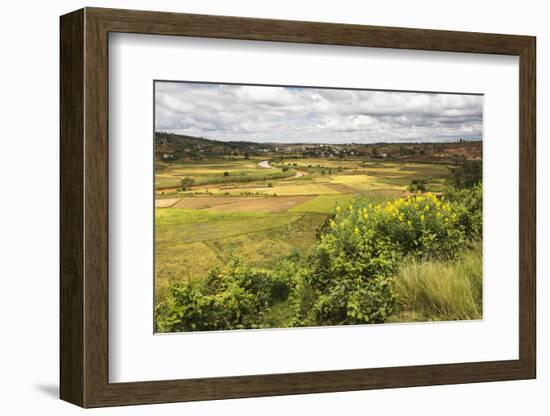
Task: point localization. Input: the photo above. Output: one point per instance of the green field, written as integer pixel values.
(260, 209)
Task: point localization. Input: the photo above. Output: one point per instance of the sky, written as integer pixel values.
(314, 115)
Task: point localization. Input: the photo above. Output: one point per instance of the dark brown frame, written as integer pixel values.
(84, 207)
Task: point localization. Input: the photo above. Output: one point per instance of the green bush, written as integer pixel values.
(355, 258)
(186, 183)
(468, 203)
(236, 297)
(421, 226)
(468, 174)
(417, 185)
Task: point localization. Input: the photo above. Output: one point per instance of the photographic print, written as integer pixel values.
(287, 206)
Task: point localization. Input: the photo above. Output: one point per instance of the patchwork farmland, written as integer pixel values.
(263, 202)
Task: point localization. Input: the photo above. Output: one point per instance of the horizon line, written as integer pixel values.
(325, 143)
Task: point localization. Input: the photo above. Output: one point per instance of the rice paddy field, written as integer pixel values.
(262, 208)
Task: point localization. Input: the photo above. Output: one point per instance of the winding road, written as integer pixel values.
(265, 164)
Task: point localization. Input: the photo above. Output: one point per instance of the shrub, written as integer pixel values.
(186, 183)
(354, 260)
(417, 185)
(348, 301)
(468, 205)
(419, 226)
(467, 174)
(236, 297)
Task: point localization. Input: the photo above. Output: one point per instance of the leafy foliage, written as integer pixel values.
(354, 261)
(468, 174)
(236, 297)
(186, 183)
(468, 205)
(417, 185)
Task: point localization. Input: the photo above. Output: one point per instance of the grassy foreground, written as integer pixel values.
(441, 290)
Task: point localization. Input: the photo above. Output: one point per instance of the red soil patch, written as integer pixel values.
(267, 204)
(202, 202)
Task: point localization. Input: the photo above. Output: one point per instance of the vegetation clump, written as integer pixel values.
(417, 185)
(354, 261)
(467, 174)
(442, 290)
(236, 297)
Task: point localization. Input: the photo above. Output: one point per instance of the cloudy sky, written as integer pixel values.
(314, 115)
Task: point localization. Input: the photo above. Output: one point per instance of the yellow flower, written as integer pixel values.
(422, 218)
(337, 209)
(356, 231)
(409, 223)
(332, 224)
(365, 215)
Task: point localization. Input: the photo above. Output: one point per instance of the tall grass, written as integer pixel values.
(441, 290)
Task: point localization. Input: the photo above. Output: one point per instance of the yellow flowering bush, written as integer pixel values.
(361, 247)
(468, 204)
(421, 225)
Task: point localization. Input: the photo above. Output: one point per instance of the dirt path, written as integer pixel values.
(265, 164)
(166, 202)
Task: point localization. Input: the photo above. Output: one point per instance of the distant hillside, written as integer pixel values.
(174, 146)
(169, 147)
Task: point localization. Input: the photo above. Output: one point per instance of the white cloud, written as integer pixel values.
(290, 114)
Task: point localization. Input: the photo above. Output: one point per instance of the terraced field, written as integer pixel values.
(260, 209)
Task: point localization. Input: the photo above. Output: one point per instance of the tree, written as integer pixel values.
(186, 183)
(417, 185)
(226, 173)
(467, 174)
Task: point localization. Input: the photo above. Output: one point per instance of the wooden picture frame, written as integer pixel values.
(84, 207)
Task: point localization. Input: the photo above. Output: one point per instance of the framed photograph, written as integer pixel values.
(255, 207)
